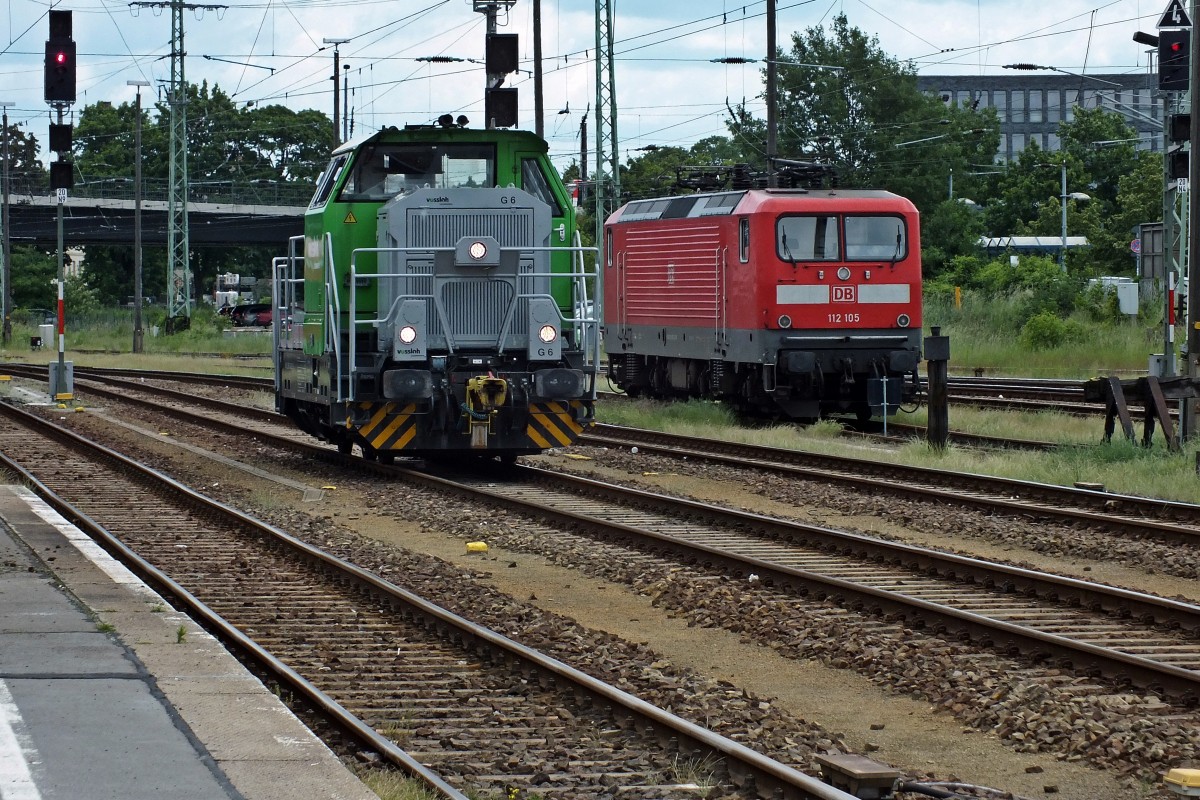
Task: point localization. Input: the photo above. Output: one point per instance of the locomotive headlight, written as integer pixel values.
(785, 321)
(903, 320)
(408, 334)
(477, 250)
(843, 273)
(548, 333)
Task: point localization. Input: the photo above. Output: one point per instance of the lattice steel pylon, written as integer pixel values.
(179, 287)
(179, 275)
(608, 173)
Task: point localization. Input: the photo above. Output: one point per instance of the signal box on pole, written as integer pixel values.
(60, 60)
(1174, 59)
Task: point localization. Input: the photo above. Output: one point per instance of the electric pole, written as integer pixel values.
(607, 178)
(179, 276)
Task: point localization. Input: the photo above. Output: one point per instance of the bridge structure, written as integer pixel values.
(220, 213)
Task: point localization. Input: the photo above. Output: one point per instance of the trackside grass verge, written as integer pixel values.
(1120, 466)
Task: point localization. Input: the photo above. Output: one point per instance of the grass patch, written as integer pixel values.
(1121, 466)
(985, 333)
(393, 785)
(1041, 426)
(699, 773)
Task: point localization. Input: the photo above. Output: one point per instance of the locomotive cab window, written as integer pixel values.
(383, 172)
(534, 181)
(807, 238)
(327, 180)
(875, 239)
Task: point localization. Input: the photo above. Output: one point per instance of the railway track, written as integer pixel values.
(1143, 517)
(1098, 622)
(1171, 522)
(445, 698)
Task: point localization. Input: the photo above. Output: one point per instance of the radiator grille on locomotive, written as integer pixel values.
(466, 306)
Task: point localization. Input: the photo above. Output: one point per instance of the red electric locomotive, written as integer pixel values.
(800, 302)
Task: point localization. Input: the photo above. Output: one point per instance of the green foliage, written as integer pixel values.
(870, 119)
(951, 232)
(1046, 330)
(654, 174)
(1100, 305)
(265, 148)
(33, 274)
(24, 168)
(985, 332)
(1123, 188)
(83, 297)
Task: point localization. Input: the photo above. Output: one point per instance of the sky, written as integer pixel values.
(668, 89)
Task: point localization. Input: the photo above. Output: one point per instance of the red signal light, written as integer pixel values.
(60, 58)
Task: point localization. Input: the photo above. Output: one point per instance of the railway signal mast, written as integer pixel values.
(1188, 62)
(60, 94)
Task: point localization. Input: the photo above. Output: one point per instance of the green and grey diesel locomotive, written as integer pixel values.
(439, 302)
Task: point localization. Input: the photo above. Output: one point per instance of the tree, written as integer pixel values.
(1123, 188)
(843, 100)
(950, 231)
(1139, 199)
(1102, 143)
(262, 148)
(33, 275)
(654, 174)
(24, 168)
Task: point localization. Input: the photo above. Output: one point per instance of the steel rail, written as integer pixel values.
(770, 778)
(1107, 508)
(211, 620)
(1177, 682)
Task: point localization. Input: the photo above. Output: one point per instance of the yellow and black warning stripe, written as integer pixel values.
(390, 427)
(553, 424)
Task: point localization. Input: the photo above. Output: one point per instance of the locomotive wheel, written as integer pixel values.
(863, 413)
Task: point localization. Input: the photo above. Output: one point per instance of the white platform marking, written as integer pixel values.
(16, 782)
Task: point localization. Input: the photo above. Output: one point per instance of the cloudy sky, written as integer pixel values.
(668, 89)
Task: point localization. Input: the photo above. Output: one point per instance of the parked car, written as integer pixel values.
(251, 314)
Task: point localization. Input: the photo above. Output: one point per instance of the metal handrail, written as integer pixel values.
(333, 313)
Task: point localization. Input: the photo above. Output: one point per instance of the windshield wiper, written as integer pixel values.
(787, 251)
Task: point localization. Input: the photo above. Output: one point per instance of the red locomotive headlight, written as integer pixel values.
(785, 321)
(903, 321)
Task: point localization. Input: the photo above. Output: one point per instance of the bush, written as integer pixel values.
(1046, 331)
(1100, 304)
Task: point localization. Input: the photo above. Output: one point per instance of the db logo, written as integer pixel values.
(843, 294)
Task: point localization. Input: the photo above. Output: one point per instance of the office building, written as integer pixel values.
(1031, 106)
